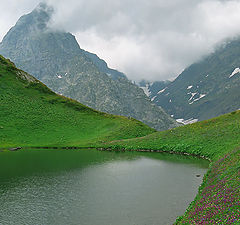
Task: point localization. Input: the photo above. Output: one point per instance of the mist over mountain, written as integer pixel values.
(153, 40)
(204, 90)
(55, 58)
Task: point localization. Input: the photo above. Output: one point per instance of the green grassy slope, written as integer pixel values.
(218, 200)
(32, 115)
(211, 138)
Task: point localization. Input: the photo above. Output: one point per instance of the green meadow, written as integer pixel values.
(210, 139)
(32, 115)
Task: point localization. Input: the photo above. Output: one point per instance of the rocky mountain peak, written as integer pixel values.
(56, 59)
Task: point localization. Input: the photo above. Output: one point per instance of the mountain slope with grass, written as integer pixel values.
(56, 59)
(33, 115)
(217, 139)
(206, 89)
(209, 138)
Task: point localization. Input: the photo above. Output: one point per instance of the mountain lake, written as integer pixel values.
(89, 187)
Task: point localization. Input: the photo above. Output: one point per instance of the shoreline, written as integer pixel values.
(112, 150)
(157, 151)
(213, 171)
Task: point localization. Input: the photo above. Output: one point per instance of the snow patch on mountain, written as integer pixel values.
(195, 100)
(237, 70)
(185, 122)
(153, 98)
(161, 91)
(193, 94)
(146, 90)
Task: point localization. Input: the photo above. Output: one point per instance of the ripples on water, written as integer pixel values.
(87, 187)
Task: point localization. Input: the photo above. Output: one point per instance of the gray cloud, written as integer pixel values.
(154, 39)
(11, 10)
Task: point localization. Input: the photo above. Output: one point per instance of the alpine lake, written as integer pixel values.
(90, 187)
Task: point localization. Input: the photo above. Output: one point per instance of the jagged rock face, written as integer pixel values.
(56, 59)
(206, 89)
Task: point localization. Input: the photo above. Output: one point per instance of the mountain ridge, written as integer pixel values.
(207, 88)
(57, 60)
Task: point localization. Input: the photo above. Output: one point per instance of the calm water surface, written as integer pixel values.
(87, 187)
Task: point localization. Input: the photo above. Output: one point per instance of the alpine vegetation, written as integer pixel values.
(55, 58)
(32, 115)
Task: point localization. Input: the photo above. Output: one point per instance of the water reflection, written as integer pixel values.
(89, 187)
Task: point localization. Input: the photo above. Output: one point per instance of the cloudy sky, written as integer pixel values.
(146, 39)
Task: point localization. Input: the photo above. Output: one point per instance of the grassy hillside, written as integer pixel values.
(218, 200)
(32, 115)
(211, 138)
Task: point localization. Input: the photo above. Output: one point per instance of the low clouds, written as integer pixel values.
(11, 10)
(152, 40)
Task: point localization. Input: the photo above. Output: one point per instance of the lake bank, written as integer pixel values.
(215, 139)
